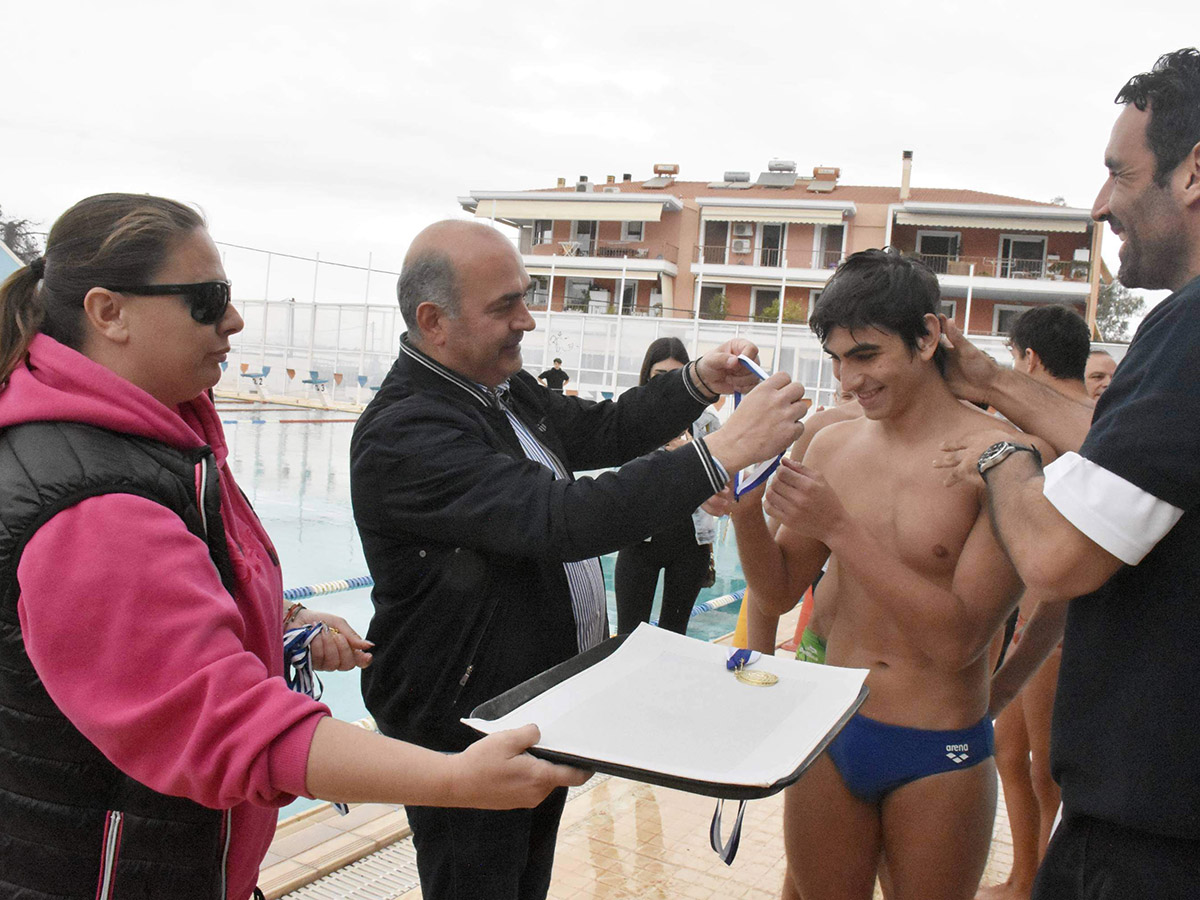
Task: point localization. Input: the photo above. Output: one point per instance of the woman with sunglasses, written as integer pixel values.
(681, 549)
(146, 735)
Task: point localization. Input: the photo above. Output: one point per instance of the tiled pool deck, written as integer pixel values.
(618, 839)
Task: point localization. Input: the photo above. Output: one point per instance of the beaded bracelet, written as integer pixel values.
(293, 611)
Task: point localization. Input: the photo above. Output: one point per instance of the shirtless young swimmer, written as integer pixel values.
(915, 590)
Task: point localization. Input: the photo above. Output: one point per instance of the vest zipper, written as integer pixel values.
(108, 863)
(201, 483)
(227, 822)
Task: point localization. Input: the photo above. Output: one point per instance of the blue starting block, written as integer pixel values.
(314, 378)
(257, 377)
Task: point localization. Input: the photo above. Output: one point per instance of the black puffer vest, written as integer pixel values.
(71, 824)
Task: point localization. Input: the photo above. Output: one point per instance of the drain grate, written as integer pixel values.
(384, 875)
(388, 873)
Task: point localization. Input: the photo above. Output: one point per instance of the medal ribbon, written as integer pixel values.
(298, 669)
(727, 851)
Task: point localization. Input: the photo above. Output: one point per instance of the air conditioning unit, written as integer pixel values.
(743, 229)
(741, 246)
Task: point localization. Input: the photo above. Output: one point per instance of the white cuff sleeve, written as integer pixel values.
(1114, 513)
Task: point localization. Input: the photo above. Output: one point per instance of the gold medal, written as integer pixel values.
(756, 677)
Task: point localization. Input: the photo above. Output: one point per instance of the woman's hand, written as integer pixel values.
(338, 648)
(497, 773)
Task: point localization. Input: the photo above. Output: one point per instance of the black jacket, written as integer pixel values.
(72, 825)
(465, 537)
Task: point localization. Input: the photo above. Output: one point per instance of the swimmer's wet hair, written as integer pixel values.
(879, 289)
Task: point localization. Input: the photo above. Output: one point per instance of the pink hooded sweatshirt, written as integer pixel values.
(181, 686)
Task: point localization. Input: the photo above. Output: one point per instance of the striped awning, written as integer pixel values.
(569, 271)
(571, 210)
(772, 214)
(993, 223)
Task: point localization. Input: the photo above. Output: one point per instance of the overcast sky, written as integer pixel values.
(344, 127)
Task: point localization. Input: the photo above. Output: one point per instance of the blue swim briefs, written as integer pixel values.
(875, 758)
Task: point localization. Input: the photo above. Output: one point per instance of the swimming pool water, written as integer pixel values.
(294, 466)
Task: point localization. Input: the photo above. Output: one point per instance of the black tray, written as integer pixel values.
(514, 697)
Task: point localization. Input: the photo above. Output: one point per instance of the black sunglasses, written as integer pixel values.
(208, 299)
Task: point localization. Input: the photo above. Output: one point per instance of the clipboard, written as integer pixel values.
(514, 699)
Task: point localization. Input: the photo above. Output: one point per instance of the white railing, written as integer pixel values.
(303, 344)
(350, 348)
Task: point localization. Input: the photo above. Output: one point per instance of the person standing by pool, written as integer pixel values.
(147, 736)
(554, 377)
(682, 548)
(481, 542)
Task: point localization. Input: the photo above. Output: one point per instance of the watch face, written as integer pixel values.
(995, 451)
(993, 455)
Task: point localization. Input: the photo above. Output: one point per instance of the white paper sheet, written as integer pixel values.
(666, 703)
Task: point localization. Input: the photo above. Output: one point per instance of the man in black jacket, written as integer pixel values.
(482, 544)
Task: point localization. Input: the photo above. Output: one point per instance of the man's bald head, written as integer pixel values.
(434, 264)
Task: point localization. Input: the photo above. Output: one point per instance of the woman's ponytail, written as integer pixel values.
(21, 315)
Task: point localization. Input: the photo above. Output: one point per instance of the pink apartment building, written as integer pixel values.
(745, 249)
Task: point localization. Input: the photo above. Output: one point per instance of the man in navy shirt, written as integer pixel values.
(1114, 523)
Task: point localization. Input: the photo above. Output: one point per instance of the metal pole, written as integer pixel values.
(970, 286)
(549, 311)
(817, 389)
(617, 348)
(262, 353)
(362, 339)
(779, 318)
(621, 292)
(337, 349)
(312, 326)
(696, 305)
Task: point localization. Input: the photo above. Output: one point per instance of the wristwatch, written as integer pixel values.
(999, 452)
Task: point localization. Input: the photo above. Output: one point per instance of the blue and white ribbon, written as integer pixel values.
(298, 668)
(297, 660)
(727, 851)
(749, 478)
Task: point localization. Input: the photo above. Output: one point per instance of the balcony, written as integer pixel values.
(584, 246)
(769, 257)
(996, 267)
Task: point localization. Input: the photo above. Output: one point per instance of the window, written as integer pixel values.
(764, 304)
(632, 231)
(576, 294)
(827, 248)
(947, 308)
(1022, 256)
(937, 249)
(539, 294)
(1003, 317)
(543, 231)
(629, 297)
(771, 237)
(713, 304)
(583, 233)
